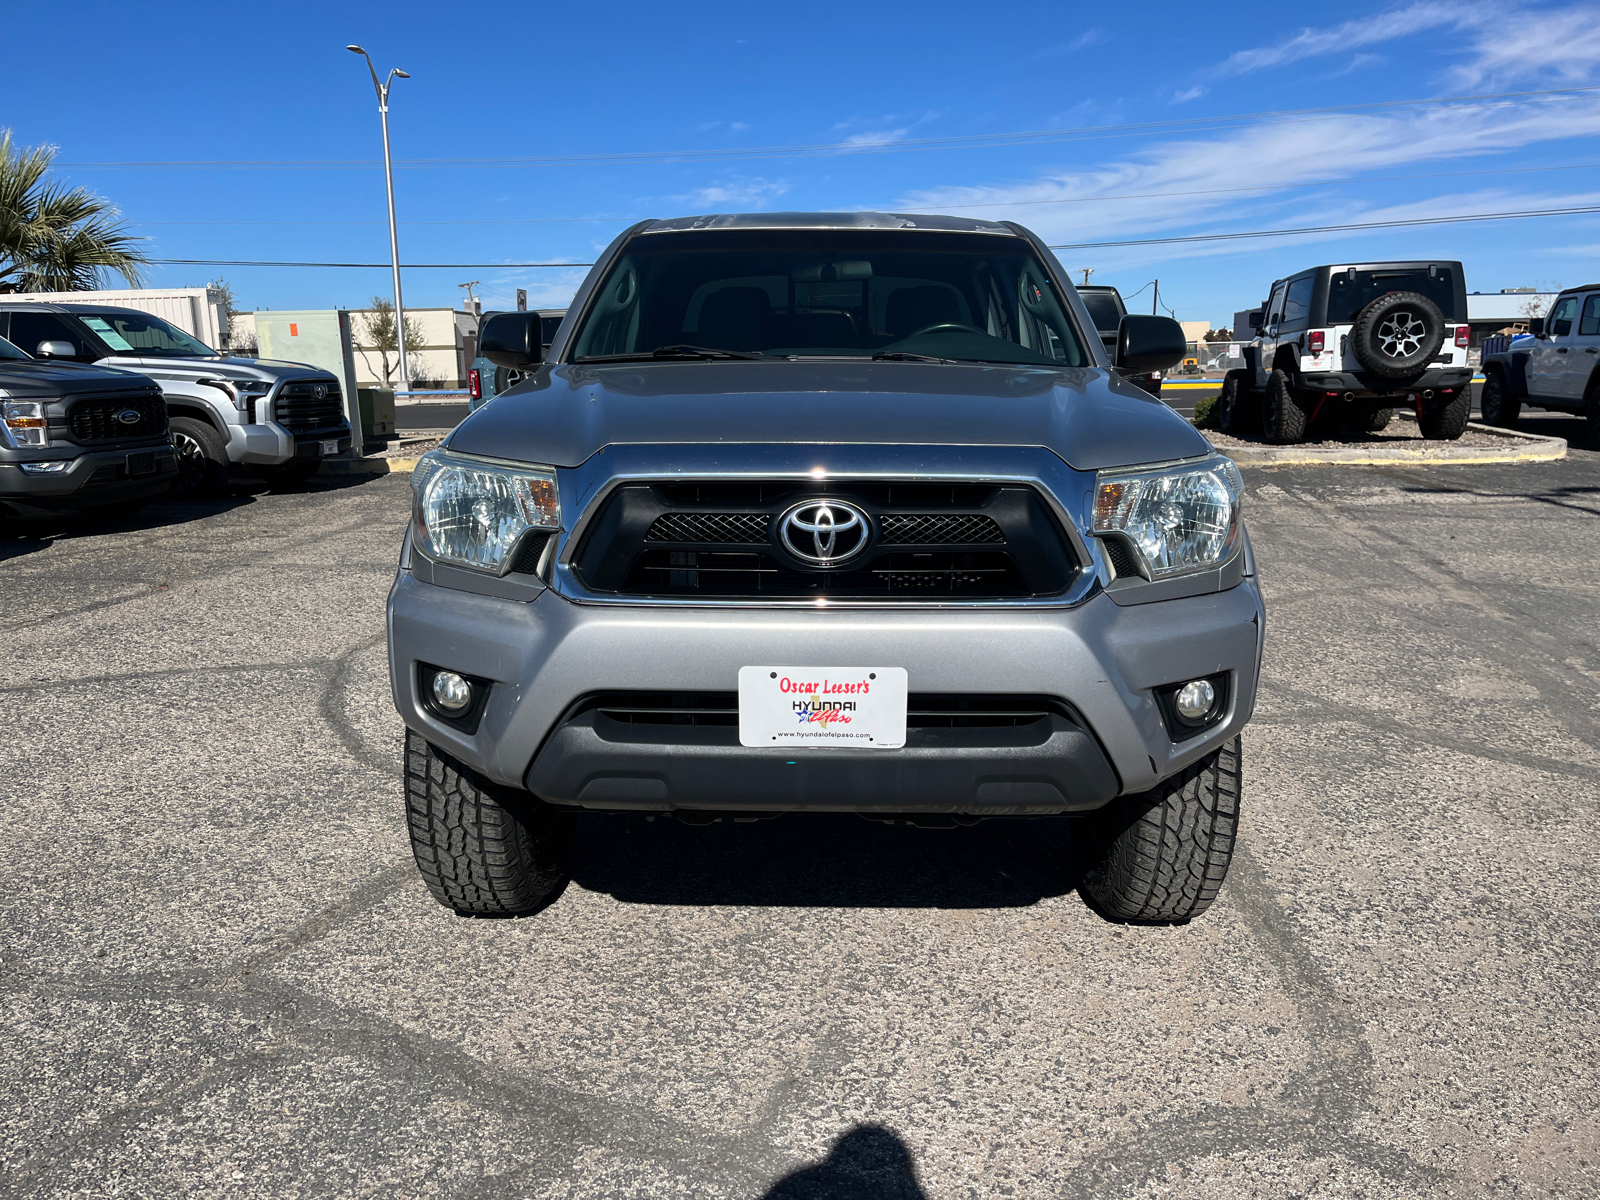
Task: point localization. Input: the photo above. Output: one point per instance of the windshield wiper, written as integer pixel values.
(903, 356)
(670, 352)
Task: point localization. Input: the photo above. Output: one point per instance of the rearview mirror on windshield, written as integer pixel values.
(512, 339)
(1149, 343)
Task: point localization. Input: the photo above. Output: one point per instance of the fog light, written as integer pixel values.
(454, 694)
(1194, 699)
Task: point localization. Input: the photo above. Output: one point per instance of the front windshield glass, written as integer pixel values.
(8, 351)
(829, 293)
(144, 335)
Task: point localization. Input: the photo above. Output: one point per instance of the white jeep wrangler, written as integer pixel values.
(1350, 343)
(1558, 368)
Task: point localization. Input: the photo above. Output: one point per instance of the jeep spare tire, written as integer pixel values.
(1396, 335)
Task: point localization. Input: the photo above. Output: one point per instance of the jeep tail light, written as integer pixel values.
(1317, 341)
(1463, 334)
(474, 384)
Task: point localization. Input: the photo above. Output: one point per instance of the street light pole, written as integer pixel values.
(394, 240)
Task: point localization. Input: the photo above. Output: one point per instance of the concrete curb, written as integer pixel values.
(1519, 447)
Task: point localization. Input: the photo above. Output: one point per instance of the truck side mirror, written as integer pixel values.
(56, 349)
(512, 340)
(1254, 319)
(1536, 326)
(1149, 344)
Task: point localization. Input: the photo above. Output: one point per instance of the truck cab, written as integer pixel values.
(279, 418)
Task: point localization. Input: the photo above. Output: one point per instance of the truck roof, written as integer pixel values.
(827, 220)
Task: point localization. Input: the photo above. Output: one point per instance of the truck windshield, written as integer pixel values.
(829, 293)
(145, 335)
(8, 351)
(1350, 291)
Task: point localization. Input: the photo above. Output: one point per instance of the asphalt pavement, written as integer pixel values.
(223, 976)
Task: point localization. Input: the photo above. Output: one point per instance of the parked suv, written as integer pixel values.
(1106, 310)
(79, 437)
(1352, 342)
(826, 513)
(279, 418)
(1556, 368)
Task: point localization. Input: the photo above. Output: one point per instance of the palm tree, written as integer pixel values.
(54, 238)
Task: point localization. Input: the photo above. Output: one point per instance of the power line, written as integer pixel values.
(804, 150)
(1265, 187)
(1263, 233)
(1198, 237)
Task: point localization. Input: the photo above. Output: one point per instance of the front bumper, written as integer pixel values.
(270, 443)
(98, 477)
(1100, 659)
(1368, 386)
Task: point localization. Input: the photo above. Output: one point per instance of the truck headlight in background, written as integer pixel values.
(24, 422)
(472, 512)
(1178, 518)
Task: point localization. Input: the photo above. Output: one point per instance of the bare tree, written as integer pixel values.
(378, 332)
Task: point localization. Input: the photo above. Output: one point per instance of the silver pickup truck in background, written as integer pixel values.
(281, 419)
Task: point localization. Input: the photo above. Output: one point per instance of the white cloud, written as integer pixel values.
(1114, 200)
(740, 195)
(1089, 37)
(877, 137)
(1189, 94)
(1364, 31)
(1561, 46)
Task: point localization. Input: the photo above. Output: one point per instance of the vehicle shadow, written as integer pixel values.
(24, 533)
(826, 860)
(868, 1162)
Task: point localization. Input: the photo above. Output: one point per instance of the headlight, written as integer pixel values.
(1179, 518)
(472, 512)
(25, 423)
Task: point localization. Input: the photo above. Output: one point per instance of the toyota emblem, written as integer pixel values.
(129, 416)
(824, 533)
(322, 391)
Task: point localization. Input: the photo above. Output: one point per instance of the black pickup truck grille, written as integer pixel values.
(927, 542)
(298, 405)
(104, 418)
(924, 710)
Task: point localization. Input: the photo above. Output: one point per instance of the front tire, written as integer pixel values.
(1591, 415)
(1283, 419)
(483, 851)
(1500, 407)
(1378, 420)
(1444, 420)
(202, 460)
(1164, 854)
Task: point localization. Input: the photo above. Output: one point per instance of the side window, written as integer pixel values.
(28, 329)
(1297, 302)
(1589, 323)
(1560, 323)
(1275, 306)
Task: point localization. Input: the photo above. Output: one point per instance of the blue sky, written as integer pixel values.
(731, 90)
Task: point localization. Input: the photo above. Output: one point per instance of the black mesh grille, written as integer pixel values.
(944, 529)
(97, 419)
(1120, 557)
(926, 542)
(528, 556)
(710, 528)
(299, 407)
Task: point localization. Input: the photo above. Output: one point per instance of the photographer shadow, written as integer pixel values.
(867, 1163)
(826, 860)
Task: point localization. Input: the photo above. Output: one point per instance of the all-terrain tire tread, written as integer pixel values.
(476, 855)
(1500, 407)
(1169, 862)
(1446, 422)
(1283, 419)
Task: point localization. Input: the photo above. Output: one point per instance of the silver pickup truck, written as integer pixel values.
(826, 513)
(278, 418)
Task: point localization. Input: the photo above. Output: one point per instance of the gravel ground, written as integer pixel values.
(223, 976)
(1402, 432)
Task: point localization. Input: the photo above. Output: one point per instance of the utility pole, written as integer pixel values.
(472, 301)
(1087, 271)
(394, 241)
(1155, 298)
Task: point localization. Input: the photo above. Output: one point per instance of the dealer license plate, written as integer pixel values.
(861, 707)
(330, 447)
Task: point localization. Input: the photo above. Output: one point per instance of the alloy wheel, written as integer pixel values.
(1401, 334)
(191, 462)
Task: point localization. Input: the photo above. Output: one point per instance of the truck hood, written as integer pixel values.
(46, 378)
(269, 370)
(1089, 417)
